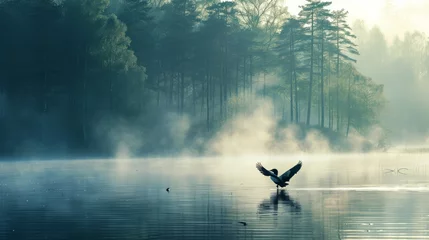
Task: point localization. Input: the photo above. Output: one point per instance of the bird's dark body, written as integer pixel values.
(280, 183)
(283, 179)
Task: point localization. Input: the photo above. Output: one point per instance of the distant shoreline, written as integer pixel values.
(84, 157)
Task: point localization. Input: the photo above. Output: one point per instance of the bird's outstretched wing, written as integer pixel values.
(291, 172)
(264, 171)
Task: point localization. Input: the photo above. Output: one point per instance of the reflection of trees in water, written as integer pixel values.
(280, 197)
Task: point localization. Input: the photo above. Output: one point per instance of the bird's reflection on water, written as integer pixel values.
(282, 197)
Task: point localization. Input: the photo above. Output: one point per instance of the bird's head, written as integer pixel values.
(274, 171)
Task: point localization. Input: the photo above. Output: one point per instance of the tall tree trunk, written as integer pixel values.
(310, 89)
(264, 73)
(142, 97)
(111, 92)
(251, 76)
(244, 76)
(212, 100)
(226, 77)
(85, 101)
(165, 85)
(44, 86)
(207, 98)
(182, 91)
(237, 77)
(158, 89)
(45, 92)
(328, 83)
(221, 93)
(322, 92)
(203, 94)
(296, 97)
(158, 83)
(348, 105)
(283, 105)
(178, 90)
(291, 96)
(291, 70)
(338, 77)
(194, 96)
(171, 89)
(338, 101)
(226, 91)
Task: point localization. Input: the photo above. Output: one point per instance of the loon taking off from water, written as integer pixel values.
(283, 179)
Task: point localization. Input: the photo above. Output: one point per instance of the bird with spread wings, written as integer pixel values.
(282, 180)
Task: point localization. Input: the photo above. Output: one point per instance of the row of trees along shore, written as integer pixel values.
(67, 64)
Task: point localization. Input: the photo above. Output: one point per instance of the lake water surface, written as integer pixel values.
(372, 196)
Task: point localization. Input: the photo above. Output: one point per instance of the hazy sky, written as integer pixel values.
(393, 16)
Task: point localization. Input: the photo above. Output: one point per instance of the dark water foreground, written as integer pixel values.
(333, 197)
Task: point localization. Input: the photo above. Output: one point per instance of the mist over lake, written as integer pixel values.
(361, 196)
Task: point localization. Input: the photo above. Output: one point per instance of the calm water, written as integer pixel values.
(332, 197)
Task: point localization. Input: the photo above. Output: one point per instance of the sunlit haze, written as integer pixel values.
(394, 17)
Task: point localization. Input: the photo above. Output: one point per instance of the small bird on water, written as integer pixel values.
(168, 189)
(282, 180)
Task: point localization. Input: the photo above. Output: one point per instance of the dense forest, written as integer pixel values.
(85, 76)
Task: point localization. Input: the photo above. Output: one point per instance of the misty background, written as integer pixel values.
(125, 78)
(392, 37)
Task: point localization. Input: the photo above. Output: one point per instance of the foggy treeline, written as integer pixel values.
(402, 65)
(78, 75)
